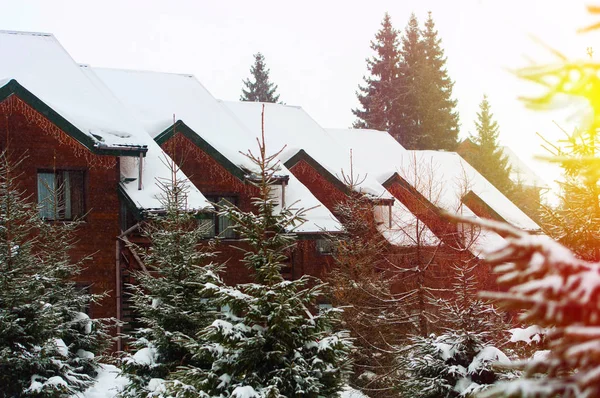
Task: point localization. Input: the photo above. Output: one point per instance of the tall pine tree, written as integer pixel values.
(438, 117)
(409, 85)
(47, 344)
(267, 342)
(261, 89)
(378, 97)
(488, 157)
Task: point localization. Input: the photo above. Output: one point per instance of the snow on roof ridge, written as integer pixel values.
(25, 33)
(263, 103)
(190, 75)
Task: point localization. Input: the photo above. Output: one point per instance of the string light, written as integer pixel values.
(14, 104)
(180, 148)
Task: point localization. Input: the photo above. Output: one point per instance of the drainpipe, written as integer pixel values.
(118, 294)
(140, 171)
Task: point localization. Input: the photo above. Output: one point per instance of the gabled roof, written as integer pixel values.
(155, 98)
(292, 127)
(452, 176)
(37, 69)
(521, 173)
(304, 138)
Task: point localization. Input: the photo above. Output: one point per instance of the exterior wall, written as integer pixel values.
(443, 229)
(211, 178)
(28, 136)
(326, 192)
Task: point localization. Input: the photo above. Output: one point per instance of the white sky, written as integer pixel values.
(316, 50)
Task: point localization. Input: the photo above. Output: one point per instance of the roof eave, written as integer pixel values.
(180, 127)
(13, 87)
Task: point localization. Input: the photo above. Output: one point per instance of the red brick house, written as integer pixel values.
(74, 136)
(208, 143)
(109, 135)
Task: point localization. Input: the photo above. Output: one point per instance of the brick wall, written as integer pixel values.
(51, 149)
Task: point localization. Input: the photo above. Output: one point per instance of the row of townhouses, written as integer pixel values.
(106, 136)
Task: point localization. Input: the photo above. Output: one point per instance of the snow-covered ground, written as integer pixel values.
(108, 385)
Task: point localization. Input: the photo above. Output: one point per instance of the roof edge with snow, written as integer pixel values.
(186, 131)
(303, 155)
(13, 87)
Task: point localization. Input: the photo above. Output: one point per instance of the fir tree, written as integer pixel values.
(438, 117)
(488, 158)
(459, 361)
(409, 86)
(267, 342)
(173, 297)
(261, 89)
(575, 222)
(378, 97)
(47, 344)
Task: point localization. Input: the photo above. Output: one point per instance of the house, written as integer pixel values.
(529, 186)
(74, 136)
(208, 143)
(105, 137)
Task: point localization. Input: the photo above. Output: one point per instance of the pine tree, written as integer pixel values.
(459, 361)
(557, 291)
(378, 97)
(261, 89)
(47, 344)
(575, 222)
(267, 342)
(409, 84)
(174, 297)
(438, 116)
(488, 158)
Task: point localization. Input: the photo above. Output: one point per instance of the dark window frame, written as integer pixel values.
(216, 198)
(80, 216)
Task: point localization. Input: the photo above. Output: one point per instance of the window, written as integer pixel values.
(220, 225)
(60, 194)
(324, 246)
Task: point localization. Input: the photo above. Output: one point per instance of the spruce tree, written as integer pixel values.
(378, 97)
(173, 297)
(459, 361)
(488, 158)
(409, 85)
(268, 342)
(261, 89)
(47, 344)
(438, 116)
(575, 222)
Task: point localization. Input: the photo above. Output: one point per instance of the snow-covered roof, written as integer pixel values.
(441, 177)
(36, 67)
(156, 99)
(292, 127)
(520, 172)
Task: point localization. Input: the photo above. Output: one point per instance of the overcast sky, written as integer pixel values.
(316, 50)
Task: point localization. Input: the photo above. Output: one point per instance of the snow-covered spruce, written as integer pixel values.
(267, 343)
(459, 362)
(174, 298)
(556, 291)
(47, 345)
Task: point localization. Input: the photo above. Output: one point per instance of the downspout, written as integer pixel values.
(141, 164)
(118, 294)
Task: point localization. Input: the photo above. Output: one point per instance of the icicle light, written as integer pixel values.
(14, 104)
